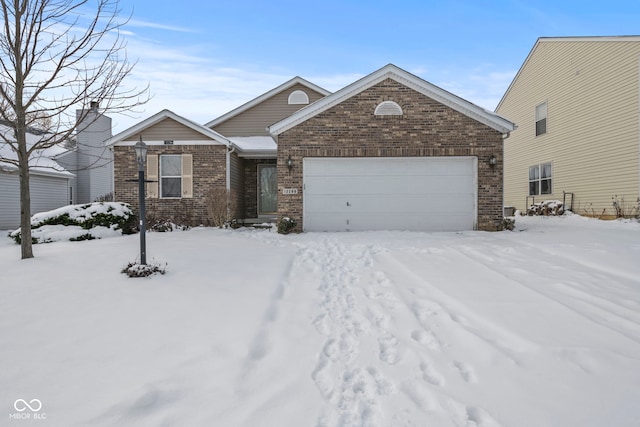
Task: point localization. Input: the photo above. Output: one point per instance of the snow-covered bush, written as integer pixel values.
(286, 225)
(507, 224)
(164, 225)
(135, 269)
(80, 222)
(547, 207)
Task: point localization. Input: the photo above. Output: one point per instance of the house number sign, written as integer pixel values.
(289, 191)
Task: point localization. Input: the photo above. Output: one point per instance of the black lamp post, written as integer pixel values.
(141, 158)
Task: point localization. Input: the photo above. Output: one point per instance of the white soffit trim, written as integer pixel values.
(212, 136)
(405, 78)
(284, 86)
(163, 143)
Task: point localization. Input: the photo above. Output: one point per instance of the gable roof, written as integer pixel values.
(244, 107)
(162, 115)
(390, 71)
(566, 40)
(41, 162)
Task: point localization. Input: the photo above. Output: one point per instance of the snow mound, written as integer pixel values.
(80, 222)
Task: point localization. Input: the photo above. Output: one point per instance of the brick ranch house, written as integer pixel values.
(389, 151)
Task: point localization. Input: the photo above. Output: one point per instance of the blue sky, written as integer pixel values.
(206, 58)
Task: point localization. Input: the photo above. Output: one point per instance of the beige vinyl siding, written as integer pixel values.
(167, 129)
(254, 121)
(591, 89)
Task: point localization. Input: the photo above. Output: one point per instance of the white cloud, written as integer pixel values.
(194, 82)
(483, 86)
(146, 24)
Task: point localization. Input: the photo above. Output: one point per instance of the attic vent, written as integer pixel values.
(168, 142)
(298, 97)
(388, 108)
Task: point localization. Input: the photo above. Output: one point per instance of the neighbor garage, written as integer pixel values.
(410, 193)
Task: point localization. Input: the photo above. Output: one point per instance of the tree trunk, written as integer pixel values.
(25, 197)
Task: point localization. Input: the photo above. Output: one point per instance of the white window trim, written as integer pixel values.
(388, 108)
(545, 118)
(540, 179)
(298, 97)
(161, 175)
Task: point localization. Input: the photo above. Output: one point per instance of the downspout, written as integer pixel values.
(504, 137)
(230, 149)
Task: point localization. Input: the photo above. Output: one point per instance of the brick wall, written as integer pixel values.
(209, 170)
(427, 128)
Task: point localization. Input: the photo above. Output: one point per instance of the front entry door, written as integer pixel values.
(267, 190)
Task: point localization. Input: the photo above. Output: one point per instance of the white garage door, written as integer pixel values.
(391, 193)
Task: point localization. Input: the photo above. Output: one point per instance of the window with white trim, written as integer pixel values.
(540, 179)
(541, 119)
(298, 97)
(171, 176)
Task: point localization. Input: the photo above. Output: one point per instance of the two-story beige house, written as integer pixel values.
(576, 101)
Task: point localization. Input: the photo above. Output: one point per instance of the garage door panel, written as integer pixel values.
(426, 193)
(416, 184)
(385, 166)
(390, 203)
(379, 221)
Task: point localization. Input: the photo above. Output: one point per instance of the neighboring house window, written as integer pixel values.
(388, 108)
(541, 119)
(540, 179)
(298, 97)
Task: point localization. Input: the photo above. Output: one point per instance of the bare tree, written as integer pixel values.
(57, 56)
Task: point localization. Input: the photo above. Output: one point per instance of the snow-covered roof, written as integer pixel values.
(254, 142)
(255, 146)
(286, 85)
(41, 161)
(391, 71)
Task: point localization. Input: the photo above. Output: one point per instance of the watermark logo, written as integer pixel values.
(28, 410)
(21, 405)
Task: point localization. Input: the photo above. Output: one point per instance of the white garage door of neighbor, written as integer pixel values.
(390, 193)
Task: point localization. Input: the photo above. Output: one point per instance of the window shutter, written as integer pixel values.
(187, 176)
(152, 175)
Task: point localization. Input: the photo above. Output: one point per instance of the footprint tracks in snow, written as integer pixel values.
(351, 391)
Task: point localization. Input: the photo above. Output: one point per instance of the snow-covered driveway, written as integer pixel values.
(539, 327)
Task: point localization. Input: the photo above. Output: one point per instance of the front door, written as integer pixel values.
(267, 190)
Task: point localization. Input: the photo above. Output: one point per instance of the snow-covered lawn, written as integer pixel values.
(537, 327)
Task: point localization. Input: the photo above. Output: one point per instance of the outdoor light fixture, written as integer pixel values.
(493, 161)
(141, 157)
(289, 162)
(141, 153)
